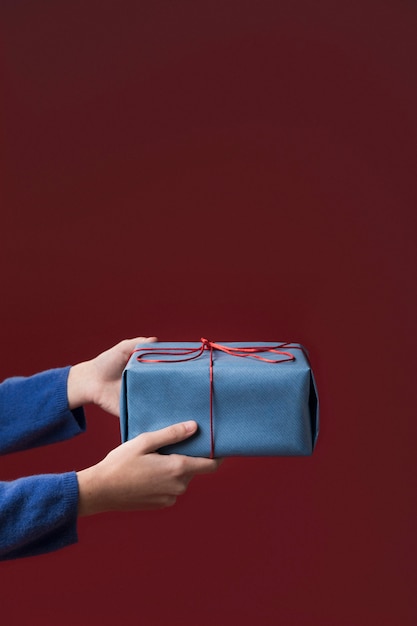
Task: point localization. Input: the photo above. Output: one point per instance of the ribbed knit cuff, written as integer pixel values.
(38, 514)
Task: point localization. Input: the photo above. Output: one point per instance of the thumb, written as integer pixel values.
(171, 434)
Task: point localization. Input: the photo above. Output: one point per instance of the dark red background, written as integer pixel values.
(239, 170)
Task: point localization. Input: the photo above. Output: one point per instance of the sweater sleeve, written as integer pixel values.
(34, 411)
(38, 514)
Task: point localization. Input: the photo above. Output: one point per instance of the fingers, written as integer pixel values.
(200, 465)
(132, 343)
(128, 345)
(137, 340)
(152, 441)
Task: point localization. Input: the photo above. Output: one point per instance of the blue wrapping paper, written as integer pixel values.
(259, 408)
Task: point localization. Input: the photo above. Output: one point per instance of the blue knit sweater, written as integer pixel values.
(39, 513)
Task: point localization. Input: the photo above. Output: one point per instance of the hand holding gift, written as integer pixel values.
(135, 477)
(98, 380)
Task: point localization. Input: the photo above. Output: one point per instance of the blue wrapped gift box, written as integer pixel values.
(248, 398)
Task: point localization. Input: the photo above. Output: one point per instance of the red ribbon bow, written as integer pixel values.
(195, 353)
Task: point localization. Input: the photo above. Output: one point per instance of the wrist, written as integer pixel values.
(80, 385)
(89, 501)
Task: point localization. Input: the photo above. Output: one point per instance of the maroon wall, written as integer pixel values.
(239, 170)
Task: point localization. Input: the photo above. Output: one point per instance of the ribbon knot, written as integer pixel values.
(205, 343)
(194, 353)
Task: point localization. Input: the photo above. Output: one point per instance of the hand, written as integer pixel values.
(135, 477)
(99, 380)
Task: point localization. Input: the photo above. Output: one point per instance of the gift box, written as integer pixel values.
(248, 398)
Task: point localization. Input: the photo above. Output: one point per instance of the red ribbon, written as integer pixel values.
(195, 353)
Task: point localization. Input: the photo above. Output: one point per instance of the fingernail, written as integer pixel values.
(189, 426)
